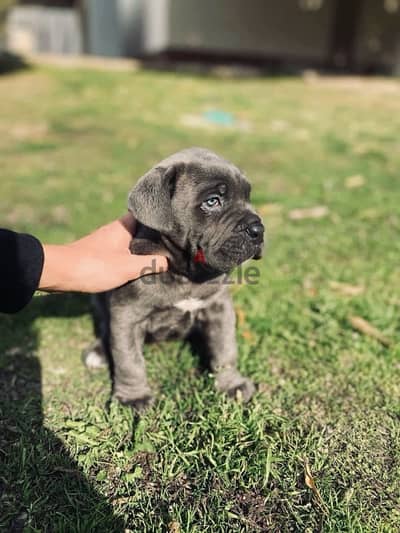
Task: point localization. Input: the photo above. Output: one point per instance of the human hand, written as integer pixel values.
(98, 262)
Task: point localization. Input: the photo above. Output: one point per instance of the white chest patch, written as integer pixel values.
(190, 304)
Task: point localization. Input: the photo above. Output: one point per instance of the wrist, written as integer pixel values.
(58, 268)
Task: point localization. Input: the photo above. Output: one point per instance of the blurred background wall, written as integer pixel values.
(347, 35)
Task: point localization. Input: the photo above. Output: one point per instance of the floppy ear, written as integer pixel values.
(150, 199)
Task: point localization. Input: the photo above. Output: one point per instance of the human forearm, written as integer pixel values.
(76, 267)
(97, 262)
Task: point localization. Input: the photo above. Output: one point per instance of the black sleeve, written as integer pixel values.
(21, 264)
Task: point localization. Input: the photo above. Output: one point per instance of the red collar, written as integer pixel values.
(199, 257)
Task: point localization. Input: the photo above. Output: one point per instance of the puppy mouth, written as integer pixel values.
(258, 253)
(240, 256)
(226, 257)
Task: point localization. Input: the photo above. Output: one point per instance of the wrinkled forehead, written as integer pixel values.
(204, 177)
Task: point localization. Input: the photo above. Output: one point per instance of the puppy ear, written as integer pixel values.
(150, 199)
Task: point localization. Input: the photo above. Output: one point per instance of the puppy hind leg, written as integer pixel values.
(219, 334)
(130, 384)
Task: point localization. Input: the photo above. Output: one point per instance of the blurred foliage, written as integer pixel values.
(4, 6)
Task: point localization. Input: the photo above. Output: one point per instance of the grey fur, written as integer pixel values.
(190, 298)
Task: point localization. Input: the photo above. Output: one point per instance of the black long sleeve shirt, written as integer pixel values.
(21, 265)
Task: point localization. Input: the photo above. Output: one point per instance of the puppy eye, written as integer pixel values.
(213, 201)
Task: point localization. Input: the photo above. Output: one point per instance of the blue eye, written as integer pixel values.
(211, 202)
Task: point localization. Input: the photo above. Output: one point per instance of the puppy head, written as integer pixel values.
(201, 203)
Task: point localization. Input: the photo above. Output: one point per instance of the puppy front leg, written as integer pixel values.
(219, 334)
(130, 385)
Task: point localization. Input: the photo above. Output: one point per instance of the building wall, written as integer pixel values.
(131, 20)
(44, 29)
(102, 28)
(378, 34)
(157, 30)
(258, 27)
(114, 27)
(361, 34)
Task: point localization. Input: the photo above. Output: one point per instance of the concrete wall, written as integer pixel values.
(269, 27)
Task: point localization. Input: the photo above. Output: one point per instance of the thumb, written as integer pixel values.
(143, 265)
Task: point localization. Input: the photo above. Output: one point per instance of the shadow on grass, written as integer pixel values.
(41, 486)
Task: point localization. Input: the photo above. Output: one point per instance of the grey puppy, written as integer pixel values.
(194, 208)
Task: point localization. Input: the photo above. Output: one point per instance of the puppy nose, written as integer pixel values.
(255, 230)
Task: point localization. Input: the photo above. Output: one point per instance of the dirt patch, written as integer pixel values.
(355, 84)
(86, 62)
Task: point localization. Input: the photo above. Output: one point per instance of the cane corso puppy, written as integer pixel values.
(194, 208)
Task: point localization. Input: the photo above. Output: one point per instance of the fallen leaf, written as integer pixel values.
(66, 470)
(309, 287)
(263, 388)
(242, 325)
(14, 350)
(269, 209)
(241, 317)
(361, 325)
(29, 131)
(279, 125)
(174, 527)
(353, 182)
(318, 211)
(346, 289)
(60, 214)
(20, 212)
(123, 500)
(349, 494)
(247, 335)
(301, 134)
(309, 479)
(370, 214)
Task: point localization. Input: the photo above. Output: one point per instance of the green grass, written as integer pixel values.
(72, 144)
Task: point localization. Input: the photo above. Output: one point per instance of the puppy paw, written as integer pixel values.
(94, 357)
(235, 385)
(242, 392)
(139, 405)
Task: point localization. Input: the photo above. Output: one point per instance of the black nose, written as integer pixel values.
(256, 231)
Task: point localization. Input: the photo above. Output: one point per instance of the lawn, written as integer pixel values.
(318, 448)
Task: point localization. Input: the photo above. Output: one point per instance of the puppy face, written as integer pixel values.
(201, 203)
